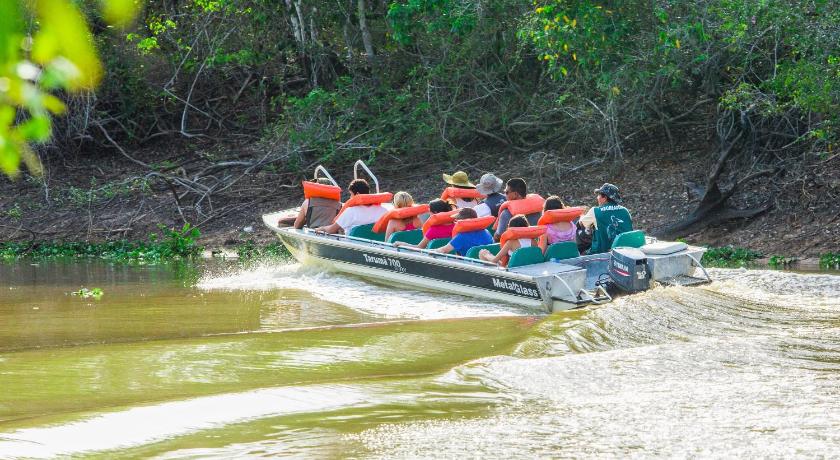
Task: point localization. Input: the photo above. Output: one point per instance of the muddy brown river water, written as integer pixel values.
(279, 360)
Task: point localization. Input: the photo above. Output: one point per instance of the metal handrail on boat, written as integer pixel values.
(322, 169)
(367, 170)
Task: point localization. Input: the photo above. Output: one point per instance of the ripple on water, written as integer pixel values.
(358, 293)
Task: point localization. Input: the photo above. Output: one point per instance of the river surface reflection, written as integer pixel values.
(279, 360)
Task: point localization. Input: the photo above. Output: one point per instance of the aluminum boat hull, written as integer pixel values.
(549, 286)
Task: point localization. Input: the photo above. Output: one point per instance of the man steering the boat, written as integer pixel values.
(356, 211)
(607, 220)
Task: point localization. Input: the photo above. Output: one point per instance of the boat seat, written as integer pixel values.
(526, 256)
(634, 239)
(561, 251)
(366, 232)
(438, 243)
(493, 248)
(407, 236)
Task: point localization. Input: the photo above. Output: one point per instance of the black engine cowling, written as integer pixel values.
(628, 269)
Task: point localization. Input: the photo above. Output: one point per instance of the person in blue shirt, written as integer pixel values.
(462, 242)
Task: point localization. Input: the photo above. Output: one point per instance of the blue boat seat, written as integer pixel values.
(526, 256)
(493, 248)
(408, 236)
(366, 232)
(438, 243)
(561, 251)
(634, 239)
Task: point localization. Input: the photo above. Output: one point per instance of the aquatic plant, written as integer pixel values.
(729, 256)
(174, 244)
(830, 260)
(778, 261)
(86, 293)
(250, 251)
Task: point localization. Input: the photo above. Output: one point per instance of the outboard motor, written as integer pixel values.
(628, 269)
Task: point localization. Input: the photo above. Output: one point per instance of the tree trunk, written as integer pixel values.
(713, 208)
(366, 38)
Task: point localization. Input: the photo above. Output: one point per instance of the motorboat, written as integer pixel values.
(546, 285)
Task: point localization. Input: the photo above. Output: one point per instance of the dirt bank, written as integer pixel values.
(86, 199)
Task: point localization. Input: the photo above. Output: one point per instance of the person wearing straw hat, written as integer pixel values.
(607, 220)
(491, 187)
(460, 179)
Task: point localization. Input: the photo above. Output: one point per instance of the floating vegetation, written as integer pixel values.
(729, 257)
(85, 293)
(171, 244)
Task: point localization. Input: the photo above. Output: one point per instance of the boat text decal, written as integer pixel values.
(515, 287)
(394, 264)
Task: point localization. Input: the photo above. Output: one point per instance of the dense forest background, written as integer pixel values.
(201, 98)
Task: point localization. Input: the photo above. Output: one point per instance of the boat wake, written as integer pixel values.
(749, 366)
(357, 293)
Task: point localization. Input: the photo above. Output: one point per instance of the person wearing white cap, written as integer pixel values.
(490, 186)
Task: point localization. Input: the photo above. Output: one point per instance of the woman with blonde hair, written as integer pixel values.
(402, 200)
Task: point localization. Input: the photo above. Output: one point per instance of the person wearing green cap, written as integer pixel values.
(607, 220)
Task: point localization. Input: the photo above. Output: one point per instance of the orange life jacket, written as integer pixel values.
(531, 204)
(518, 233)
(441, 218)
(400, 213)
(455, 192)
(471, 225)
(316, 190)
(553, 216)
(365, 199)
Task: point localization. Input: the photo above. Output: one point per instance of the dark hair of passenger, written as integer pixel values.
(438, 205)
(322, 181)
(517, 184)
(359, 186)
(553, 202)
(518, 220)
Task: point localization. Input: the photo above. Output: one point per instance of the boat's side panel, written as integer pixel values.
(406, 270)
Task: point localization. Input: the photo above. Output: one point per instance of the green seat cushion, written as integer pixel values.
(634, 239)
(526, 256)
(408, 236)
(366, 232)
(438, 243)
(493, 248)
(561, 251)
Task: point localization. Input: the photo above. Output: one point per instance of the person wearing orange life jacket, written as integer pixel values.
(402, 200)
(510, 245)
(558, 230)
(321, 204)
(354, 216)
(516, 189)
(438, 225)
(463, 241)
(462, 193)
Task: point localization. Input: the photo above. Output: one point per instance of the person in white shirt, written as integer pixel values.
(356, 215)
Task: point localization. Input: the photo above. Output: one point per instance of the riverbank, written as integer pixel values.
(105, 201)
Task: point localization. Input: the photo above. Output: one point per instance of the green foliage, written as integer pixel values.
(85, 293)
(58, 55)
(830, 260)
(15, 212)
(728, 256)
(777, 261)
(251, 252)
(175, 244)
